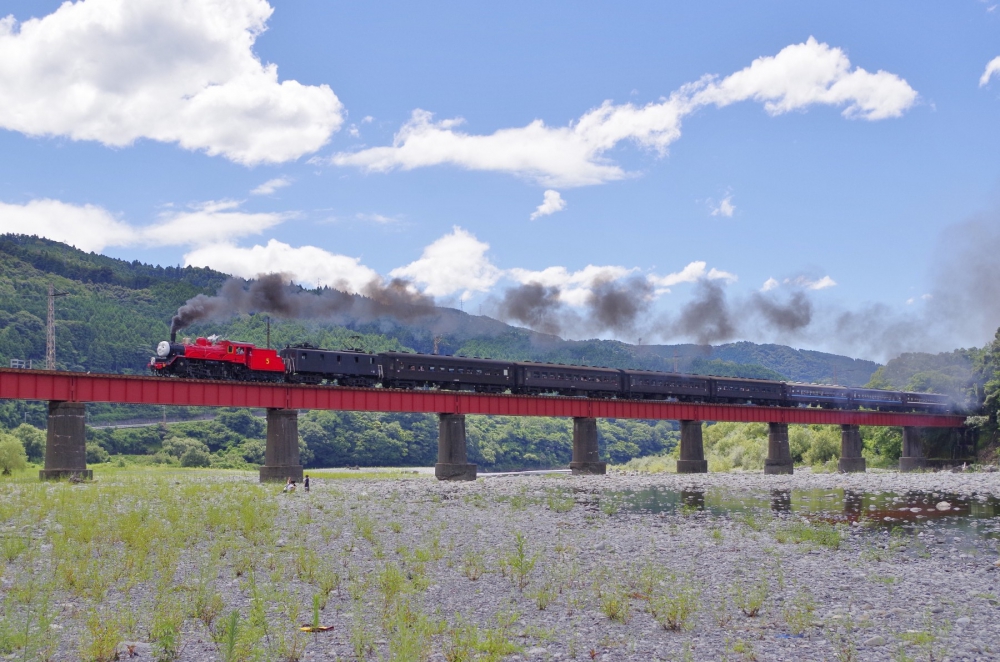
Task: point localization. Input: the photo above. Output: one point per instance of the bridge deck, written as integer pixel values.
(137, 389)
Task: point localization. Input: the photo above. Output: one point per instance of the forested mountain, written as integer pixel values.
(115, 311)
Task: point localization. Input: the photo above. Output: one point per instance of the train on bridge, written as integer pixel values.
(218, 358)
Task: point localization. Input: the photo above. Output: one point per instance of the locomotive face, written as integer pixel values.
(163, 349)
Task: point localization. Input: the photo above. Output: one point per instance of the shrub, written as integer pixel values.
(179, 446)
(825, 446)
(196, 457)
(12, 455)
(96, 454)
(732, 445)
(33, 441)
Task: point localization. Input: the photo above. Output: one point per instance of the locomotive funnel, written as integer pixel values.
(173, 336)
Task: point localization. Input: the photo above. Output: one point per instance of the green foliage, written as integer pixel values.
(798, 365)
(675, 604)
(519, 562)
(882, 445)
(816, 533)
(96, 454)
(338, 439)
(196, 457)
(12, 455)
(33, 441)
(750, 597)
(798, 611)
(824, 446)
(988, 373)
(178, 446)
(732, 445)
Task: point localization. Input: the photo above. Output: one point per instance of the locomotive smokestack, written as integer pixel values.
(173, 336)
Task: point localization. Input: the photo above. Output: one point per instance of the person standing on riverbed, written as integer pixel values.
(305, 483)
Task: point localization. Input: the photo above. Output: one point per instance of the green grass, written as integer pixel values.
(811, 533)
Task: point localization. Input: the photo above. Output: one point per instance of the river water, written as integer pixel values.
(968, 517)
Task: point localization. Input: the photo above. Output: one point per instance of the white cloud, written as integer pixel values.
(551, 203)
(378, 219)
(271, 185)
(93, 228)
(802, 75)
(769, 285)
(454, 263)
(799, 76)
(574, 287)
(993, 67)
(210, 222)
(184, 72)
(809, 284)
(88, 227)
(724, 208)
(306, 265)
(693, 272)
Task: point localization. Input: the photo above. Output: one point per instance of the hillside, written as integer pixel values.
(115, 311)
(959, 373)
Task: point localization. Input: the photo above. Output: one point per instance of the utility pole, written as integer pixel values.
(50, 329)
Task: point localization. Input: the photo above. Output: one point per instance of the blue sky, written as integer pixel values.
(827, 173)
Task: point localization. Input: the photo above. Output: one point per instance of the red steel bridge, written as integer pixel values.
(68, 391)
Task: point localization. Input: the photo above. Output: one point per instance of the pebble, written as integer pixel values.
(877, 640)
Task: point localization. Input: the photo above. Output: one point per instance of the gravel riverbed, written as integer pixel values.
(548, 567)
(874, 596)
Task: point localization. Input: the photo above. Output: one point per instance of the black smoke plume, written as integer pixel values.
(610, 306)
(616, 307)
(792, 316)
(534, 305)
(707, 316)
(274, 294)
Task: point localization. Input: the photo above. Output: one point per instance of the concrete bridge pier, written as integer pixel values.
(850, 450)
(453, 462)
(692, 460)
(779, 457)
(281, 455)
(913, 451)
(66, 442)
(586, 458)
